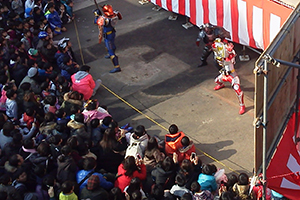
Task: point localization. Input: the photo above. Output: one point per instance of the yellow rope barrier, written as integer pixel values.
(137, 110)
(134, 108)
(78, 40)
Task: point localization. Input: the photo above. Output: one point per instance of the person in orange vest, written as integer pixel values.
(173, 140)
(186, 150)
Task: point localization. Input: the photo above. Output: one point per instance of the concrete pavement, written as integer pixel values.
(160, 79)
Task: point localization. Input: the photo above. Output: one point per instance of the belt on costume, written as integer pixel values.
(109, 32)
(223, 71)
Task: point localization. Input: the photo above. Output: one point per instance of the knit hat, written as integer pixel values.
(32, 72)
(93, 182)
(32, 51)
(63, 42)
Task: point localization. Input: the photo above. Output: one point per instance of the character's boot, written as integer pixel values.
(116, 69)
(115, 62)
(242, 109)
(219, 86)
(240, 95)
(206, 52)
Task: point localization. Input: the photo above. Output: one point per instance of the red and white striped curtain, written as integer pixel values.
(251, 22)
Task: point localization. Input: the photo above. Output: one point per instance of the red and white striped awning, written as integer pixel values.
(251, 22)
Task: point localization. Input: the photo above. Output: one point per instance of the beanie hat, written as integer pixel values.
(32, 51)
(93, 182)
(32, 72)
(43, 34)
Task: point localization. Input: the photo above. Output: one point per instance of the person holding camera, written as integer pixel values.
(128, 169)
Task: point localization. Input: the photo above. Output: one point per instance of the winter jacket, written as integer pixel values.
(10, 169)
(71, 196)
(28, 120)
(161, 177)
(97, 135)
(27, 12)
(11, 108)
(54, 20)
(94, 114)
(68, 103)
(173, 142)
(4, 139)
(205, 194)
(207, 182)
(79, 130)
(67, 70)
(98, 193)
(11, 192)
(185, 153)
(35, 86)
(18, 73)
(151, 158)
(67, 169)
(123, 180)
(179, 191)
(191, 175)
(143, 141)
(242, 191)
(8, 150)
(29, 4)
(48, 128)
(3, 99)
(17, 6)
(83, 82)
(49, 54)
(59, 56)
(103, 182)
(110, 159)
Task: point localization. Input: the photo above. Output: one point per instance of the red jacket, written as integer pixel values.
(28, 120)
(123, 180)
(173, 143)
(83, 83)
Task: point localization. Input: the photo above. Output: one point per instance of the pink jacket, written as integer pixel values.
(83, 83)
(94, 114)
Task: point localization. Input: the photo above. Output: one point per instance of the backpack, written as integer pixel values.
(134, 150)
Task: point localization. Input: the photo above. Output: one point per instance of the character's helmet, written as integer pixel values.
(43, 34)
(108, 10)
(219, 47)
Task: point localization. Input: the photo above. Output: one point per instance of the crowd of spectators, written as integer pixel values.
(58, 143)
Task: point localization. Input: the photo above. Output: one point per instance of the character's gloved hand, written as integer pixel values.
(118, 14)
(97, 12)
(222, 71)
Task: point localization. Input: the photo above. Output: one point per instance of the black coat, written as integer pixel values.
(161, 177)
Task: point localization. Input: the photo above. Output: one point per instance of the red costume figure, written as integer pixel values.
(224, 54)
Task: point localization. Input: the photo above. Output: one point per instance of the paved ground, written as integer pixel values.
(161, 83)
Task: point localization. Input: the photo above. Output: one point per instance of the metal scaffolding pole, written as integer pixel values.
(297, 107)
(264, 122)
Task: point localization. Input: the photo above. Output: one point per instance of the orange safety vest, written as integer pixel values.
(173, 142)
